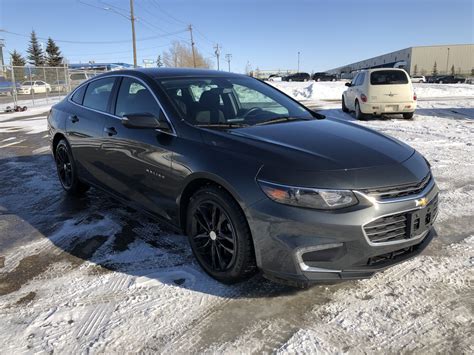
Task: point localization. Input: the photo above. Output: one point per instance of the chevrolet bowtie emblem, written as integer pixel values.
(422, 202)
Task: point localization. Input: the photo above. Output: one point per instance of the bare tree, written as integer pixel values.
(181, 56)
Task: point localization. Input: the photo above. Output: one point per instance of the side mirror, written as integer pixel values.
(348, 84)
(145, 120)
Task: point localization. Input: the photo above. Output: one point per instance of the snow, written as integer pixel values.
(149, 295)
(317, 91)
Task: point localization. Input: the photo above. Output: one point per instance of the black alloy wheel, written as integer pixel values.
(219, 235)
(66, 169)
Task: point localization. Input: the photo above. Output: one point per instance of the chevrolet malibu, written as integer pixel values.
(256, 180)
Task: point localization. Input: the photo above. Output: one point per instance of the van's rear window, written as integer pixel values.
(388, 77)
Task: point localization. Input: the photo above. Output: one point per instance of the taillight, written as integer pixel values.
(414, 97)
(363, 98)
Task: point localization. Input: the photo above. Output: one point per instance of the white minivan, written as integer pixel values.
(380, 91)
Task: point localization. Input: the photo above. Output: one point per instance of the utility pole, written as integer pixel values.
(132, 19)
(298, 61)
(218, 53)
(192, 44)
(228, 57)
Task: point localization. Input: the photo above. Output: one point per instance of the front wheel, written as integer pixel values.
(220, 236)
(408, 115)
(67, 172)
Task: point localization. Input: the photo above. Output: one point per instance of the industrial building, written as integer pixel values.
(457, 59)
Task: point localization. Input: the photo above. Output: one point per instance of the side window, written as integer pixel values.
(354, 81)
(98, 93)
(78, 95)
(360, 81)
(134, 97)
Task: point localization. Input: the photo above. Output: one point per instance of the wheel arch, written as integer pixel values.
(196, 181)
(57, 138)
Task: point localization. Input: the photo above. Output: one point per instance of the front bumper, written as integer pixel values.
(387, 108)
(300, 246)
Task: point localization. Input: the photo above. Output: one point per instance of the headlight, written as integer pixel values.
(310, 198)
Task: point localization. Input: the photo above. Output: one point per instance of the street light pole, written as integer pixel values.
(447, 62)
(132, 19)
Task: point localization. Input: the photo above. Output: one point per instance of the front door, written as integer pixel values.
(137, 160)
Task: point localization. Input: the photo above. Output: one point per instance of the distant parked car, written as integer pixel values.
(59, 86)
(470, 80)
(418, 79)
(380, 91)
(324, 77)
(7, 87)
(34, 87)
(448, 79)
(297, 77)
(275, 77)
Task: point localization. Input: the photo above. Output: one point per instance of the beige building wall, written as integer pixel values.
(461, 56)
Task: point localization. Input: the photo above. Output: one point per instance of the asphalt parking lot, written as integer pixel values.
(89, 274)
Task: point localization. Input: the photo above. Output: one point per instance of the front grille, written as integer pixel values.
(399, 191)
(387, 229)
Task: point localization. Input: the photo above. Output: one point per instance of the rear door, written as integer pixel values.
(392, 86)
(137, 161)
(85, 125)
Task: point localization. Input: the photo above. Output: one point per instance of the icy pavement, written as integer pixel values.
(91, 275)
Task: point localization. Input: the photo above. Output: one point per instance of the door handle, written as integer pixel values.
(74, 118)
(111, 131)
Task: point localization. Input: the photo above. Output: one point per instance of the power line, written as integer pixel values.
(95, 42)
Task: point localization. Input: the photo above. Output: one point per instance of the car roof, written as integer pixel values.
(380, 69)
(173, 72)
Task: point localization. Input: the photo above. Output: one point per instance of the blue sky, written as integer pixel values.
(266, 33)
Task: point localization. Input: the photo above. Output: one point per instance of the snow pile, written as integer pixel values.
(316, 91)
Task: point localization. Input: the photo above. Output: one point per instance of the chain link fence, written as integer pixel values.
(38, 86)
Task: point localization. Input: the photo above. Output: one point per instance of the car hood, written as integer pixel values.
(328, 153)
(326, 144)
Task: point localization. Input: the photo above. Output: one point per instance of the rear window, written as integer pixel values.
(388, 77)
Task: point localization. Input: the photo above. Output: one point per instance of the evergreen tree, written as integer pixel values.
(17, 60)
(35, 53)
(435, 69)
(159, 61)
(53, 54)
(415, 70)
(453, 71)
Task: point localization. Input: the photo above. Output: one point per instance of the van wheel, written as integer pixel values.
(408, 116)
(344, 107)
(220, 236)
(358, 113)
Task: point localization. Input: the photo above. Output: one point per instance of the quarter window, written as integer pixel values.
(78, 95)
(134, 97)
(98, 93)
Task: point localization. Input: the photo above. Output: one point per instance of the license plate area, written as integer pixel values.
(391, 108)
(422, 220)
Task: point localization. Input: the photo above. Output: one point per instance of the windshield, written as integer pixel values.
(230, 102)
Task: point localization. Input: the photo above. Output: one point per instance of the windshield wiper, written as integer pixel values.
(222, 125)
(282, 119)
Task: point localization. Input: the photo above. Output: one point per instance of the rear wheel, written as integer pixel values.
(67, 172)
(358, 113)
(344, 107)
(408, 115)
(219, 235)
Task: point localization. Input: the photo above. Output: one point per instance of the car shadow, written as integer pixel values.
(98, 230)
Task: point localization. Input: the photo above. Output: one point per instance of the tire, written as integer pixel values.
(220, 236)
(358, 113)
(344, 107)
(290, 79)
(408, 115)
(67, 171)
